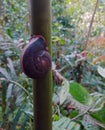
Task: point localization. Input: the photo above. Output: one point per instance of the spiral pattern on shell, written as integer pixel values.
(35, 59)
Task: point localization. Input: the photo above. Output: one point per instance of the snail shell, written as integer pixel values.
(35, 59)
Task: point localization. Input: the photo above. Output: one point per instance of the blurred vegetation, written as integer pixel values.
(79, 103)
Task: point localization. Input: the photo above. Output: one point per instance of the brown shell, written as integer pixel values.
(35, 59)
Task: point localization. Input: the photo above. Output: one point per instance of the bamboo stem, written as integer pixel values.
(42, 88)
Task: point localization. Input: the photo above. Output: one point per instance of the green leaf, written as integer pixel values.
(55, 38)
(9, 32)
(89, 126)
(62, 41)
(99, 115)
(24, 122)
(80, 93)
(101, 71)
(4, 73)
(74, 113)
(64, 91)
(12, 69)
(9, 92)
(28, 110)
(17, 117)
(65, 124)
(55, 117)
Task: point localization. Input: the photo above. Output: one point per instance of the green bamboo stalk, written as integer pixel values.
(42, 88)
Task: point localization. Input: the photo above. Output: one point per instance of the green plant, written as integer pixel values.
(15, 99)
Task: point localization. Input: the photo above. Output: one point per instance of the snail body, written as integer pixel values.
(35, 59)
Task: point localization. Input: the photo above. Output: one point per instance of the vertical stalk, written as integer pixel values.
(91, 23)
(42, 88)
(2, 11)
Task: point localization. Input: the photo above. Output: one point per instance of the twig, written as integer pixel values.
(81, 114)
(63, 69)
(96, 122)
(98, 109)
(91, 23)
(65, 58)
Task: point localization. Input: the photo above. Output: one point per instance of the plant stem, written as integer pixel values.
(81, 114)
(11, 81)
(91, 23)
(42, 88)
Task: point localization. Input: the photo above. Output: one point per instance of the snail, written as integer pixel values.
(35, 59)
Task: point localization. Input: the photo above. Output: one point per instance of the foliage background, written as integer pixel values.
(79, 102)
